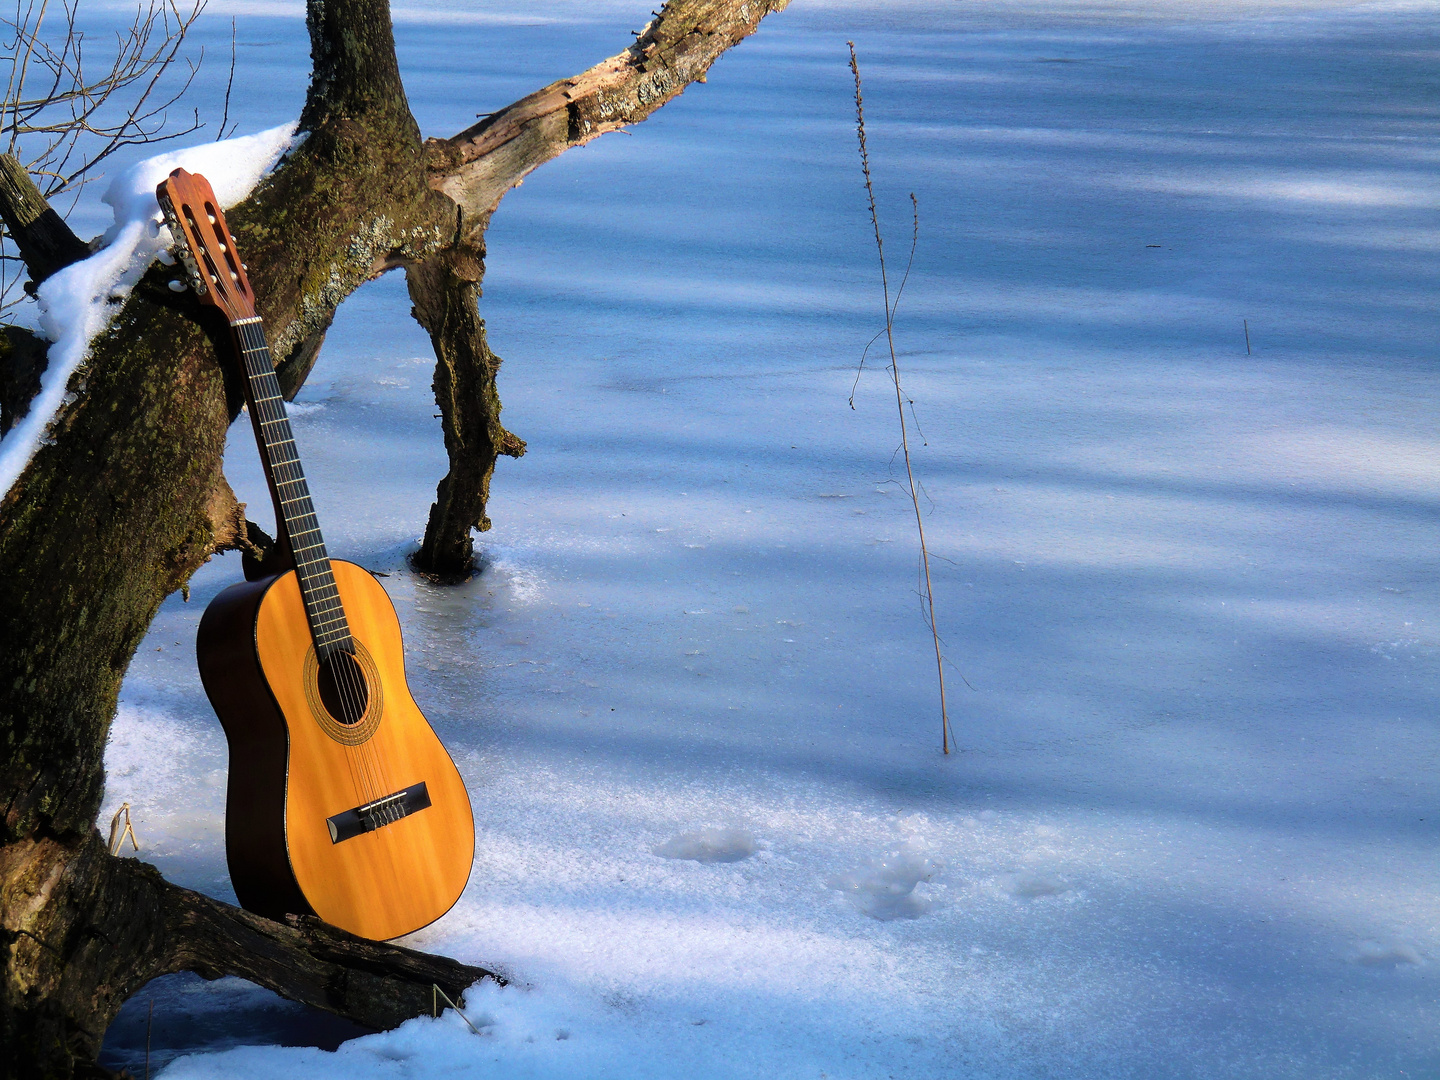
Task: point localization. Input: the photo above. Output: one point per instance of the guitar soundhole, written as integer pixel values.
(342, 688)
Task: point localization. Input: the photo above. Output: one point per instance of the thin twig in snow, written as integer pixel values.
(946, 738)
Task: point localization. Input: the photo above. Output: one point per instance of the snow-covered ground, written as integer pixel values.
(1191, 829)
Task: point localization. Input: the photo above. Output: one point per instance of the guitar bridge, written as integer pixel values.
(371, 816)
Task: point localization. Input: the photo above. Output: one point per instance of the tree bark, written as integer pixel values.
(126, 499)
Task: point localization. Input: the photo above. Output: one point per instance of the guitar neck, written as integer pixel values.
(294, 510)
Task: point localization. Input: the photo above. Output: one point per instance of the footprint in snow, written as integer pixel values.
(1029, 884)
(709, 846)
(1374, 954)
(884, 888)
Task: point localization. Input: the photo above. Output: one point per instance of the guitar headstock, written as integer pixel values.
(204, 244)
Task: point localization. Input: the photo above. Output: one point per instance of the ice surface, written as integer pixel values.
(76, 303)
(1191, 828)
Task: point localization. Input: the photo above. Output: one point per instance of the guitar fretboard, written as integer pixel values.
(328, 625)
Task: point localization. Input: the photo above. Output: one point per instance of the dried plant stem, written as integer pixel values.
(946, 738)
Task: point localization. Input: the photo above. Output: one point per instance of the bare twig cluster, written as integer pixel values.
(64, 112)
(927, 594)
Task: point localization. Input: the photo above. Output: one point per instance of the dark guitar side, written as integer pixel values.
(259, 751)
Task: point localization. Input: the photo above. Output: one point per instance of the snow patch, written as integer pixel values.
(77, 302)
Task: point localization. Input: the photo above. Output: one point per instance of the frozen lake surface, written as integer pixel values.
(1191, 830)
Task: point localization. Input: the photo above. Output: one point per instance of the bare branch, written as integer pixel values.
(478, 166)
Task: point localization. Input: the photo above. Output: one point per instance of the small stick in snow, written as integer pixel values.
(1247, 336)
(946, 737)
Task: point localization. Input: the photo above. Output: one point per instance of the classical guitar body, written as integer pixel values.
(342, 802)
(297, 770)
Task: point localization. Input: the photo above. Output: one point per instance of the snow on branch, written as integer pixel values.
(77, 302)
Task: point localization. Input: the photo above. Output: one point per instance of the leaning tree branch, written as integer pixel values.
(43, 239)
(478, 166)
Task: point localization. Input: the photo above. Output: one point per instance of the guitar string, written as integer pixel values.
(258, 365)
(315, 575)
(313, 571)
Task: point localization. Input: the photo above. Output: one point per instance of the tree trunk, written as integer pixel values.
(445, 290)
(126, 499)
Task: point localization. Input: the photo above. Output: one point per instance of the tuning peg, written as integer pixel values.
(211, 217)
(165, 257)
(176, 286)
(245, 267)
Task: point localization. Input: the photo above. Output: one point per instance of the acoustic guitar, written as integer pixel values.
(342, 803)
